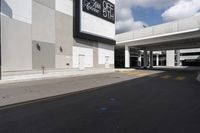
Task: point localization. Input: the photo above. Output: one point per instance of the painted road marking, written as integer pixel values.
(126, 72)
(133, 73)
(139, 73)
(180, 78)
(143, 74)
(166, 77)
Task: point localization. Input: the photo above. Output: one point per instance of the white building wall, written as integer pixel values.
(16, 35)
(87, 52)
(18, 9)
(65, 6)
(63, 61)
(103, 51)
(16, 45)
(20, 29)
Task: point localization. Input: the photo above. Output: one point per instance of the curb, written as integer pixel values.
(49, 77)
(10, 81)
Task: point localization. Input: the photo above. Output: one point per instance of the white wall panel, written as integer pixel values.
(43, 27)
(16, 48)
(65, 6)
(87, 52)
(105, 50)
(18, 9)
(62, 61)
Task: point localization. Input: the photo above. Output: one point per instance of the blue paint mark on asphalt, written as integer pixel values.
(103, 109)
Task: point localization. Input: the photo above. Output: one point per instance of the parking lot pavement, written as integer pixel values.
(14, 93)
(159, 102)
(154, 74)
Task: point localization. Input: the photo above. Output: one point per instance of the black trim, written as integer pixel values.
(190, 54)
(191, 62)
(76, 27)
(103, 9)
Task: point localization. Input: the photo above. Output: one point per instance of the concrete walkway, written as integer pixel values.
(24, 88)
(13, 77)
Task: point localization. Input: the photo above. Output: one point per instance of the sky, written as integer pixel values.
(137, 14)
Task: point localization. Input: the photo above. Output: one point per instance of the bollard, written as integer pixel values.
(43, 67)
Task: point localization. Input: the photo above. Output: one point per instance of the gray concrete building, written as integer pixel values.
(40, 33)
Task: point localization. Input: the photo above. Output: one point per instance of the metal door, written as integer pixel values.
(81, 62)
(107, 63)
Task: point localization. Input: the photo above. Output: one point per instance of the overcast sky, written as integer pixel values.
(135, 14)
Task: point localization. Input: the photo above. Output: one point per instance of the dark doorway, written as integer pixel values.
(119, 57)
(133, 61)
(191, 62)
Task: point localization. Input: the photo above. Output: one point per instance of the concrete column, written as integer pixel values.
(140, 60)
(157, 60)
(127, 57)
(170, 58)
(145, 59)
(178, 58)
(151, 58)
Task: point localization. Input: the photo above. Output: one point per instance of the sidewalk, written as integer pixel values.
(13, 77)
(20, 92)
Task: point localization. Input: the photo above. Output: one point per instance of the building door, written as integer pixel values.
(81, 62)
(107, 63)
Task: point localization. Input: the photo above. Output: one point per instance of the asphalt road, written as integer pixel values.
(168, 102)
